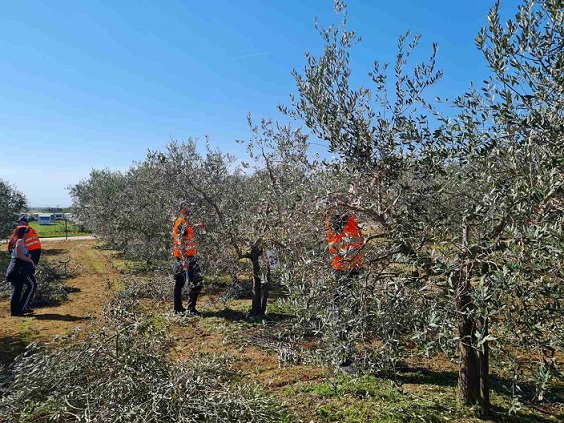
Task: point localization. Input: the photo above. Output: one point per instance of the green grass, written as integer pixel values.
(371, 399)
(56, 229)
(4, 257)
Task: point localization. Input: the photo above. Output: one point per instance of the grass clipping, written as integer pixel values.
(123, 373)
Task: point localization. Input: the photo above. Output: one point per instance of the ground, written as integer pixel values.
(88, 294)
(424, 392)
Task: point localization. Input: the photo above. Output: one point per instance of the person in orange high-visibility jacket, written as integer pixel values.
(32, 242)
(185, 261)
(346, 243)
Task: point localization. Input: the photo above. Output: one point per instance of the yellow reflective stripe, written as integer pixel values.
(31, 241)
(354, 239)
(349, 246)
(186, 245)
(349, 253)
(185, 242)
(348, 242)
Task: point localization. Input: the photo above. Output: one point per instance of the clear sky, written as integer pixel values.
(95, 84)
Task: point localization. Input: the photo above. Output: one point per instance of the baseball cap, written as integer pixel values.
(23, 219)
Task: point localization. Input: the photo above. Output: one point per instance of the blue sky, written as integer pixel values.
(95, 84)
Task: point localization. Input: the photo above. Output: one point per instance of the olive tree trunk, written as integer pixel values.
(468, 374)
(257, 306)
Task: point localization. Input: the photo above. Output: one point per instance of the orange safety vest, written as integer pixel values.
(32, 240)
(187, 242)
(346, 245)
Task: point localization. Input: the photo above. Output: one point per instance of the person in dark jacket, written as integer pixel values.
(20, 273)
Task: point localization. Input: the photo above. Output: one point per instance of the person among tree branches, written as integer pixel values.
(346, 241)
(186, 265)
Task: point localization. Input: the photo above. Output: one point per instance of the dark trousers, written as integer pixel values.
(344, 286)
(195, 280)
(19, 302)
(35, 254)
(29, 299)
(344, 310)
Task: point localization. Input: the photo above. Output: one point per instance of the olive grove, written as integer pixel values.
(462, 213)
(245, 212)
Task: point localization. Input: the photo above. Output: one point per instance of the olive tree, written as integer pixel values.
(510, 136)
(467, 206)
(98, 204)
(288, 178)
(12, 202)
(249, 207)
(135, 210)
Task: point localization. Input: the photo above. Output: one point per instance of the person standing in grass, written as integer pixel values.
(20, 272)
(185, 261)
(32, 242)
(33, 246)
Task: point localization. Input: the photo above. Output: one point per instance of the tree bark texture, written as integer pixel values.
(266, 289)
(254, 256)
(468, 375)
(484, 370)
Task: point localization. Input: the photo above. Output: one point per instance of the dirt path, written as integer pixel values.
(70, 238)
(89, 293)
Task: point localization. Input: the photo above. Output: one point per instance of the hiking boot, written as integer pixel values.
(194, 312)
(181, 311)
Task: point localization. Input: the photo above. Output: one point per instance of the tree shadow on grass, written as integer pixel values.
(103, 245)
(500, 415)
(500, 385)
(53, 252)
(61, 317)
(230, 315)
(72, 289)
(11, 347)
(423, 376)
(277, 317)
(238, 316)
(4, 260)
